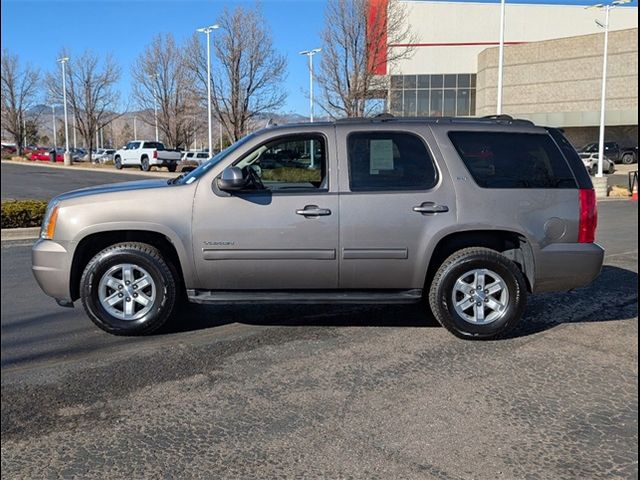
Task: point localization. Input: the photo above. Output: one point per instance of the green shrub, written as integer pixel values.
(23, 213)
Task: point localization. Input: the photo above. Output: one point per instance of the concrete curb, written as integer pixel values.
(77, 167)
(19, 233)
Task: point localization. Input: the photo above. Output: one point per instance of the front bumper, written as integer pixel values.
(51, 265)
(565, 266)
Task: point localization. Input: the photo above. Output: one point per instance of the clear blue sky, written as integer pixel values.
(38, 30)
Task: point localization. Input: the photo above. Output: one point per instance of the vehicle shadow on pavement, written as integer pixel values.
(613, 296)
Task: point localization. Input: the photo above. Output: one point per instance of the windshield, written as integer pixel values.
(206, 166)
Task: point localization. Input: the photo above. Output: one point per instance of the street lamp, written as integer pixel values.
(501, 57)
(155, 104)
(135, 129)
(207, 31)
(53, 115)
(607, 8)
(67, 156)
(310, 54)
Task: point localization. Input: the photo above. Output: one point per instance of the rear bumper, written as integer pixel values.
(564, 266)
(50, 264)
(161, 162)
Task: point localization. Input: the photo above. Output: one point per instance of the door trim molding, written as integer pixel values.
(270, 254)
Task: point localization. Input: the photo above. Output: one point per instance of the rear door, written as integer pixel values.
(393, 198)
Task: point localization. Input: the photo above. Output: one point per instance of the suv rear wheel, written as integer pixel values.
(628, 158)
(478, 293)
(128, 289)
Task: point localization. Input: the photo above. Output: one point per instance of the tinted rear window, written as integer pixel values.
(513, 160)
(578, 168)
(389, 161)
(156, 145)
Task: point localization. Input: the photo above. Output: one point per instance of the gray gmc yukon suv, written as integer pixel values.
(469, 214)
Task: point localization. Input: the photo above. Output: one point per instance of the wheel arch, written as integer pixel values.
(513, 245)
(89, 245)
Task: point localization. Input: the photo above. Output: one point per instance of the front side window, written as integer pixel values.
(389, 161)
(513, 160)
(297, 162)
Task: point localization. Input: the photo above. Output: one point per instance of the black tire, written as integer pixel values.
(140, 255)
(144, 164)
(172, 168)
(465, 260)
(628, 158)
(118, 163)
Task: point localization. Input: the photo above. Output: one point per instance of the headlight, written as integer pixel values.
(50, 218)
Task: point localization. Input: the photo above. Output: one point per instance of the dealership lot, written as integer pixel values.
(319, 391)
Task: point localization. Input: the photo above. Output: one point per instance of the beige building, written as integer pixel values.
(558, 83)
(553, 66)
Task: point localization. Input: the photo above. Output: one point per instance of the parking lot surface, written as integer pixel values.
(326, 391)
(20, 181)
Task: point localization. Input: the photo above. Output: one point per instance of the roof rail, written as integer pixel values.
(387, 117)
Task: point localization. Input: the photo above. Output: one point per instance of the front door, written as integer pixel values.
(281, 232)
(393, 200)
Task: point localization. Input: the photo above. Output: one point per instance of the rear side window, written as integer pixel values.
(513, 160)
(389, 161)
(578, 168)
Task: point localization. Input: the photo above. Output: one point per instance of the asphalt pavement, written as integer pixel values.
(28, 181)
(327, 391)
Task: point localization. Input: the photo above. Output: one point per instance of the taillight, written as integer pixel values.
(155, 154)
(588, 216)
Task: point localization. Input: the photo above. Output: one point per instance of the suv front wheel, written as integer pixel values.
(477, 293)
(128, 289)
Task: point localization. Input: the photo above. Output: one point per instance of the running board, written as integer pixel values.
(304, 296)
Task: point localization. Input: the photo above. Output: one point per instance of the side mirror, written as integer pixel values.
(231, 179)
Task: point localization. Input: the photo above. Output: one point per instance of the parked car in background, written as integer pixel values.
(9, 148)
(613, 151)
(43, 155)
(107, 155)
(590, 161)
(146, 154)
(198, 157)
(472, 214)
(77, 154)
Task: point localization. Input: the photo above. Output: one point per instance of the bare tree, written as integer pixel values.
(20, 90)
(162, 79)
(248, 73)
(356, 52)
(91, 93)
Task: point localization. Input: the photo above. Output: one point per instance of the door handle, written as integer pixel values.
(430, 208)
(313, 211)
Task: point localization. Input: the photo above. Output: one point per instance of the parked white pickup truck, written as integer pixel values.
(146, 154)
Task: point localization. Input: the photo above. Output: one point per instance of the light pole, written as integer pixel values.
(501, 57)
(53, 115)
(607, 8)
(135, 129)
(155, 104)
(207, 31)
(310, 54)
(75, 144)
(67, 155)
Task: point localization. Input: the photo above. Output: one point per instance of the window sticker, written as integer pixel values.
(380, 156)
